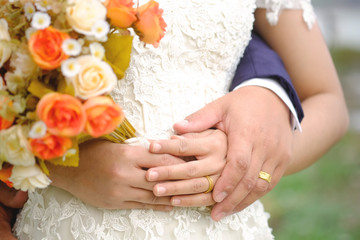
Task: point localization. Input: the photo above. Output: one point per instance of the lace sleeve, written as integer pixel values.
(274, 8)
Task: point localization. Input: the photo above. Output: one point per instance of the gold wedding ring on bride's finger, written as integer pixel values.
(211, 184)
(265, 176)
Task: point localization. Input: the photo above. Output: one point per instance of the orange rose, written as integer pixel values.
(63, 114)
(46, 47)
(4, 124)
(121, 13)
(50, 146)
(5, 173)
(150, 25)
(103, 116)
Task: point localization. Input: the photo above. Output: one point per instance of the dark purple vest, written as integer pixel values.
(260, 61)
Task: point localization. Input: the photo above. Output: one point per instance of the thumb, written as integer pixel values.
(200, 120)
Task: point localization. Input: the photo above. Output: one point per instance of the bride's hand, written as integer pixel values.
(209, 148)
(112, 176)
(10, 201)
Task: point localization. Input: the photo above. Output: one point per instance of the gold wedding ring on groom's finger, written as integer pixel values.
(265, 176)
(211, 184)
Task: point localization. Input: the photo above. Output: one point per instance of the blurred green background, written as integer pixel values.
(323, 201)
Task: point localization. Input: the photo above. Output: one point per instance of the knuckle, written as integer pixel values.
(249, 183)
(116, 173)
(240, 165)
(168, 172)
(198, 186)
(261, 188)
(174, 189)
(183, 146)
(124, 152)
(165, 160)
(154, 199)
(229, 187)
(206, 200)
(192, 170)
(232, 204)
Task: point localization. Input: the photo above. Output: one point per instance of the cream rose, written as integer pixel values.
(83, 14)
(5, 51)
(14, 146)
(95, 77)
(28, 178)
(23, 63)
(15, 83)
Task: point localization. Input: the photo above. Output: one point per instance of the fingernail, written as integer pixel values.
(219, 216)
(220, 197)
(153, 175)
(160, 190)
(156, 147)
(176, 201)
(183, 123)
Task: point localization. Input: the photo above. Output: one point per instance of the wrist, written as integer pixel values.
(277, 89)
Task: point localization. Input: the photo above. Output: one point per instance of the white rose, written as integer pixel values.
(95, 77)
(14, 146)
(83, 14)
(23, 63)
(5, 51)
(15, 82)
(28, 178)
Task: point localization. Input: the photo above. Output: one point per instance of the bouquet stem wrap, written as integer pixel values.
(122, 133)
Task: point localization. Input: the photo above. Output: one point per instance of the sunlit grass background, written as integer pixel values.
(323, 201)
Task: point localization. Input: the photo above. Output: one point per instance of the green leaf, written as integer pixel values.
(117, 52)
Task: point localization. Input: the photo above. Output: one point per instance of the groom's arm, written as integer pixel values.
(260, 61)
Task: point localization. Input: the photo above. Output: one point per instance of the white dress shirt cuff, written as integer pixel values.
(274, 86)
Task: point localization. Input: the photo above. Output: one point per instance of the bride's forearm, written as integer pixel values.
(326, 121)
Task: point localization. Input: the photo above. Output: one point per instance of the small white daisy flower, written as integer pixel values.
(43, 5)
(70, 67)
(103, 39)
(69, 153)
(38, 130)
(29, 10)
(71, 47)
(97, 50)
(100, 29)
(40, 20)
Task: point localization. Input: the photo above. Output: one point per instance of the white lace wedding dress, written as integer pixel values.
(193, 65)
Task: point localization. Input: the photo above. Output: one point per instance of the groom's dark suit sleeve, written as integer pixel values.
(260, 61)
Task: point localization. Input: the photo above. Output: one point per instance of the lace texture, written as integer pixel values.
(192, 66)
(274, 8)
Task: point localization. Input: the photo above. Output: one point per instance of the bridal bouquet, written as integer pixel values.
(59, 60)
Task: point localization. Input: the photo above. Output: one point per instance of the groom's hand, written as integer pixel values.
(259, 134)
